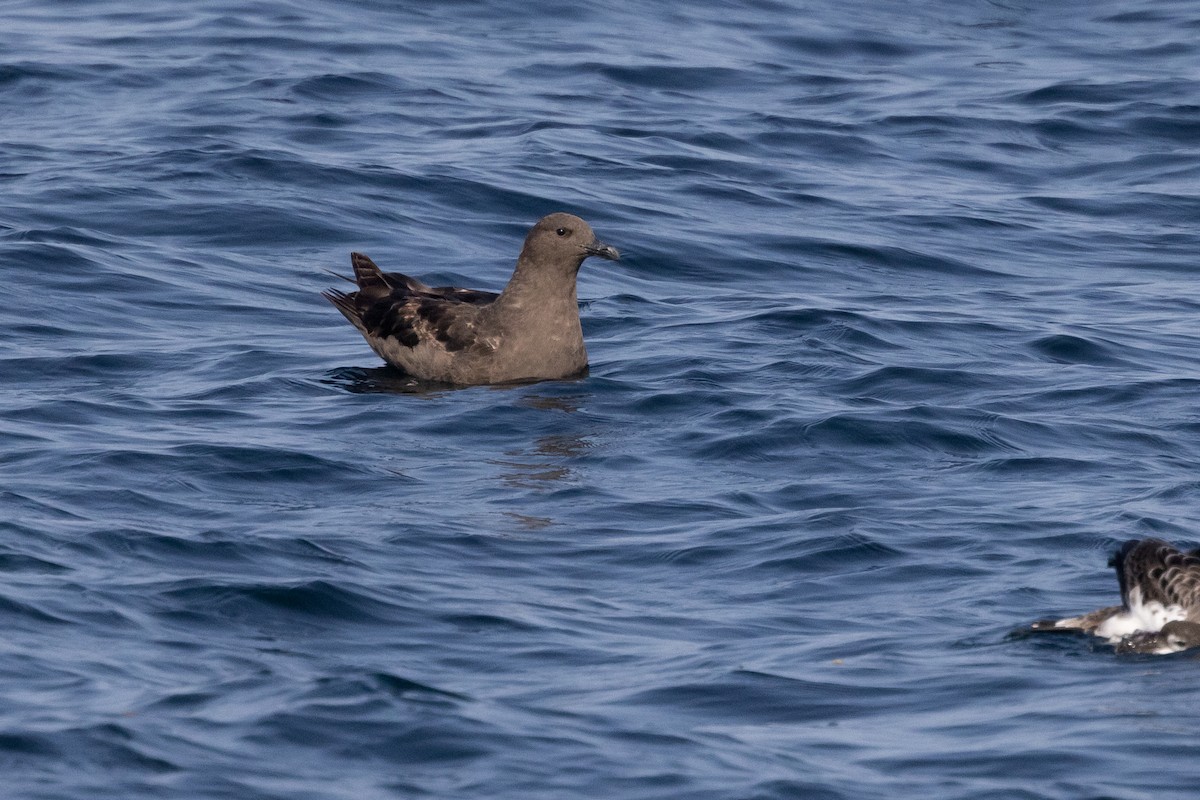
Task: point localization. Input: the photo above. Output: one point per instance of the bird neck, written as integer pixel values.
(534, 286)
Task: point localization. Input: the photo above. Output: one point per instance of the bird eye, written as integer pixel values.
(561, 231)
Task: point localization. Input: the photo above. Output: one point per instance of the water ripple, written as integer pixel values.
(902, 345)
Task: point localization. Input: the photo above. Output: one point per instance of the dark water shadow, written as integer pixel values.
(382, 380)
(388, 380)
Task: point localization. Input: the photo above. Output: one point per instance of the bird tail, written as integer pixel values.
(344, 303)
(366, 274)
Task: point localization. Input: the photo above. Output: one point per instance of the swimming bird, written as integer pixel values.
(1160, 601)
(529, 331)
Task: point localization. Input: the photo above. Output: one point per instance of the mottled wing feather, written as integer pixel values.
(1163, 573)
(390, 316)
(398, 280)
(449, 321)
(394, 305)
(1180, 580)
(472, 296)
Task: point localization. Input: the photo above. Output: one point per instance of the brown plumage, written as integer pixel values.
(529, 331)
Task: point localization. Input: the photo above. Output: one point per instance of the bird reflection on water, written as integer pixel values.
(544, 463)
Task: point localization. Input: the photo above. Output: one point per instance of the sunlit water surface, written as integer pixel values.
(904, 342)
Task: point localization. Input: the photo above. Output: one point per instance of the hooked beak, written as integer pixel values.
(599, 248)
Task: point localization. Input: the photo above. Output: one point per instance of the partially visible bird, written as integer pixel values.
(1160, 601)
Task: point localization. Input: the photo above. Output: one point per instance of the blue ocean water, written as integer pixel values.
(902, 345)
